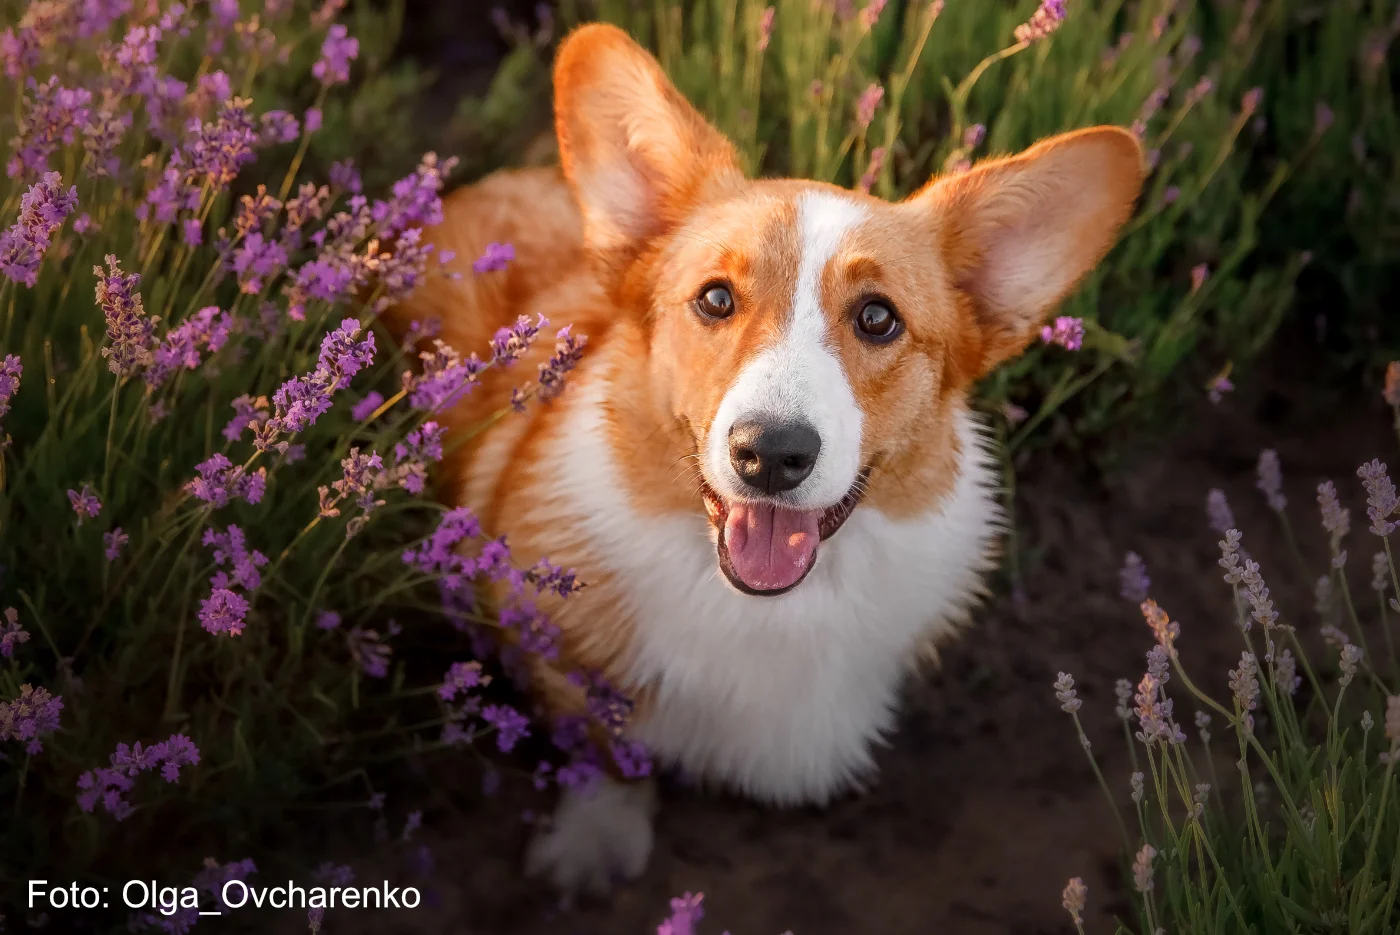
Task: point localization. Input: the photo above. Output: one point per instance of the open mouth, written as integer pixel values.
(766, 549)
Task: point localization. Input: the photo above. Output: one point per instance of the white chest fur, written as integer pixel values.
(779, 698)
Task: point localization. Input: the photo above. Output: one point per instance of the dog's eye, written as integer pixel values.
(715, 301)
(877, 322)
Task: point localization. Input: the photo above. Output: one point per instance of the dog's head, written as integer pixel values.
(817, 343)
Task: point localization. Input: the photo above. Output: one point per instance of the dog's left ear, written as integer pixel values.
(1017, 234)
(638, 156)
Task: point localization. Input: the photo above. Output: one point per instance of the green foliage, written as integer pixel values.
(1284, 814)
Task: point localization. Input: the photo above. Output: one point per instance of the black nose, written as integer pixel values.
(773, 456)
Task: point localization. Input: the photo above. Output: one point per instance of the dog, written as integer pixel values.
(766, 466)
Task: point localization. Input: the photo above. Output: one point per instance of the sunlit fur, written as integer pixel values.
(778, 697)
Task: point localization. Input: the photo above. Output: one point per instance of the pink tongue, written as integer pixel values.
(770, 548)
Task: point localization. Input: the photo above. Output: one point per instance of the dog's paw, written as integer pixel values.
(596, 836)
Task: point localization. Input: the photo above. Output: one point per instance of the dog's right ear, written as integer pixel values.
(638, 156)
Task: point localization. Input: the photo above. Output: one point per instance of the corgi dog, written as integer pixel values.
(766, 466)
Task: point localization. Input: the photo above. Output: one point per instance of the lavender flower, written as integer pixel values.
(302, 400)
(1133, 580)
(686, 911)
(496, 257)
(765, 27)
(1286, 672)
(872, 170)
(129, 330)
(223, 611)
(11, 633)
(207, 328)
(1218, 386)
(866, 104)
(1244, 682)
(30, 716)
(113, 542)
(1270, 481)
(445, 379)
(1073, 899)
(1351, 658)
(510, 344)
(411, 456)
(11, 369)
(53, 118)
(43, 209)
(108, 785)
(870, 14)
(84, 503)
(415, 201)
(461, 677)
(511, 726)
(365, 408)
(368, 653)
(337, 52)
(568, 350)
(1218, 512)
(1203, 726)
(1123, 691)
(1381, 500)
(231, 548)
(1142, 868)
(220, 481)
(1199, 273)
(1044, 21)
(1066, 331)
(1163, 627)
(1380, 573)
(974, 135)
(1251, 100)
(1066, 695)
(1335, 519)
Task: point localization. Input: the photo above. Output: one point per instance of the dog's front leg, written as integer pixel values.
(597, 836)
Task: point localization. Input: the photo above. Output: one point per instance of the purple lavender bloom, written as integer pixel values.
(437, 555)
(11, 633)
(113, 542)
(633, 760)
(85, 503)
(445, 379)
(1044, 21)
(1218, 512)
(510, 344)
(278, 126)
(337, 52)
(230, 547)
(495, 259)
(208, 327)
(461, 677)
(53, 118)
(1270, 482)
(1381, 499)
(411, 456)
(568, 351)
(686, 911)
(30, 716)
(129, 330)
(11, 369)
(1134, 584)
(343, 355)
(1067, 332)
(247, 411)
(256, 259)
(1170, 194)
(312, 119)
(327, 620)
(866, 104)
(220, 481)
(365, 408)
(343, 175)
(223, 611)
(177, 752)
(974, 135)
(511, 726)
(43, 209)
(371, 655)
(415, 201)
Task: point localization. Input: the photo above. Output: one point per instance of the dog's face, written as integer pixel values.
(806, 336)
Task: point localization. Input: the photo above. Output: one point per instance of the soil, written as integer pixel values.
(985, 804)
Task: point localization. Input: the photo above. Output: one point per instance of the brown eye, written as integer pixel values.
(877, 322)
(715, 301)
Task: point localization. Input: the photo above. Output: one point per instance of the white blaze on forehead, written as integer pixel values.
(799, 378)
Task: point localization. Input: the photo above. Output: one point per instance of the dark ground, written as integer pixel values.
(986, 804)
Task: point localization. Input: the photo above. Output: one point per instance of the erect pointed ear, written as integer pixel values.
(637, 155)
(1017, 234)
